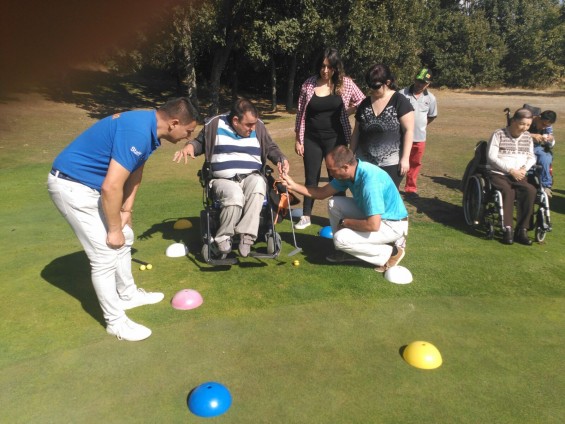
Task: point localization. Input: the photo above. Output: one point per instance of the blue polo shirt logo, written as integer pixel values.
(135, 151)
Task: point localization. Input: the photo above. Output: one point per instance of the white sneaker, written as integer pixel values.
(140, 298)
(303, 223)
(129, 331)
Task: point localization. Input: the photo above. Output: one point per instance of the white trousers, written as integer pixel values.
(374, 247)
(241, 203)
(110, 268)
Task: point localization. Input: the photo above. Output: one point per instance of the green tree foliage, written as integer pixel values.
(268, 43)
(382, 31)
(463, 50)
(534, 34)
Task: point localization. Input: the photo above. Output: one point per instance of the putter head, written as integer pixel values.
(295, 251)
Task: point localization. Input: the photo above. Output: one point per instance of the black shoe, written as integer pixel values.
(507, 237)
(521, 236)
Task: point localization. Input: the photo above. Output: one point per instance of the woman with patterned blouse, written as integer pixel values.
(384, 125)
(326, 100)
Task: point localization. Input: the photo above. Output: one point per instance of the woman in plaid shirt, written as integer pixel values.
(326, 100)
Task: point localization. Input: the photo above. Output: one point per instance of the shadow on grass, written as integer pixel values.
(314, 247)
(445, 180)
(557, 203)
(71, 273)
(401, 351)
(190, 236)
(103, 93)
(440, 211)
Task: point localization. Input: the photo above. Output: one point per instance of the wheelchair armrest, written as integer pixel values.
(204, 174)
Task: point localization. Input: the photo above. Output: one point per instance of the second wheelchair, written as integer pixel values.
(482, 202)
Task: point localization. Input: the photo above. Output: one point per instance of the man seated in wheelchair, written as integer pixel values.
(541, 131)
(510, 154)
(237, 146)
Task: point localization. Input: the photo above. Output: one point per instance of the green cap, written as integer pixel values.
(424, 75)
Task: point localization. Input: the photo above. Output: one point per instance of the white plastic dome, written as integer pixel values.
(398, 275)
(176, 250)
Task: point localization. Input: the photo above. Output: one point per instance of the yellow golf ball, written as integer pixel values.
(142, 267)
(149, 266)
(296, 262)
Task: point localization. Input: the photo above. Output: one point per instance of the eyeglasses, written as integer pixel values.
(376, 85)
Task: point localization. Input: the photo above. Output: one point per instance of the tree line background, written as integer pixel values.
(268, 47)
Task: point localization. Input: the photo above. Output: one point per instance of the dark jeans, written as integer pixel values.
(523, 192)
(394, 173)
(316, 147)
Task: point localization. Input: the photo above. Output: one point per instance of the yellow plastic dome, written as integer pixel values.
(422, 355)
(182, 224)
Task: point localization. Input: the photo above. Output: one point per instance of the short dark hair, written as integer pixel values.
(342, 155)
(522, 113)
(549, 115)
(180, 108)
(380, 73)
(240, 107)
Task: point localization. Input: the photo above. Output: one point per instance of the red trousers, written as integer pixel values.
(416, 154)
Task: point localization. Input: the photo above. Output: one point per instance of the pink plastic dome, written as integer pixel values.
(187, 299)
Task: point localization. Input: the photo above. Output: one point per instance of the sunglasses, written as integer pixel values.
(376, 85)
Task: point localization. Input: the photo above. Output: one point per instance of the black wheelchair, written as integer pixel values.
(210, 221)
(482, 202)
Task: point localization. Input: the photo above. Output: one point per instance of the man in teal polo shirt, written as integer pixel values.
(372, 225)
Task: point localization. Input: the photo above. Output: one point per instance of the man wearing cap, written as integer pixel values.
(425, 111)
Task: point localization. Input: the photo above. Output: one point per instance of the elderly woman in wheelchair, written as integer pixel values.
(510, 154)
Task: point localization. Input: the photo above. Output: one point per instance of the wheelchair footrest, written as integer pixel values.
(263, 255)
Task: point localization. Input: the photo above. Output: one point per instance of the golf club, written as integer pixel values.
(297, 249)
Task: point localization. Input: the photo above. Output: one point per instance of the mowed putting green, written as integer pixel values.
(314, 343)
(317, 363)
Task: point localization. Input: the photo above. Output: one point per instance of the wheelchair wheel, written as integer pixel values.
(211, 253)
(473, 197)
(274, 244)
(490, 231)
(540, 234)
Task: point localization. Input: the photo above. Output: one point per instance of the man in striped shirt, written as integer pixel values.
(237, 146)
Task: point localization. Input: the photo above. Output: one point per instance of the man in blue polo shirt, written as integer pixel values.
(93, 184)
(370, 226)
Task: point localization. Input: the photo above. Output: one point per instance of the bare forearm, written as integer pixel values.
(313, 192)
(130, 189)
(111, 198)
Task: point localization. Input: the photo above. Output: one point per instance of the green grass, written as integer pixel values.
(317, 343)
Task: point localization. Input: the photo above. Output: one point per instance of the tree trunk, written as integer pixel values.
(273, 84)
(192, 87)
(235, 78)
(290, 83)
(221, 56)
(185, 66)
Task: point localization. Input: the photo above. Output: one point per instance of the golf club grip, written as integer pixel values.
(280, 187)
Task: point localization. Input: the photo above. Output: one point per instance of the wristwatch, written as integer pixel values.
(341, 222)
